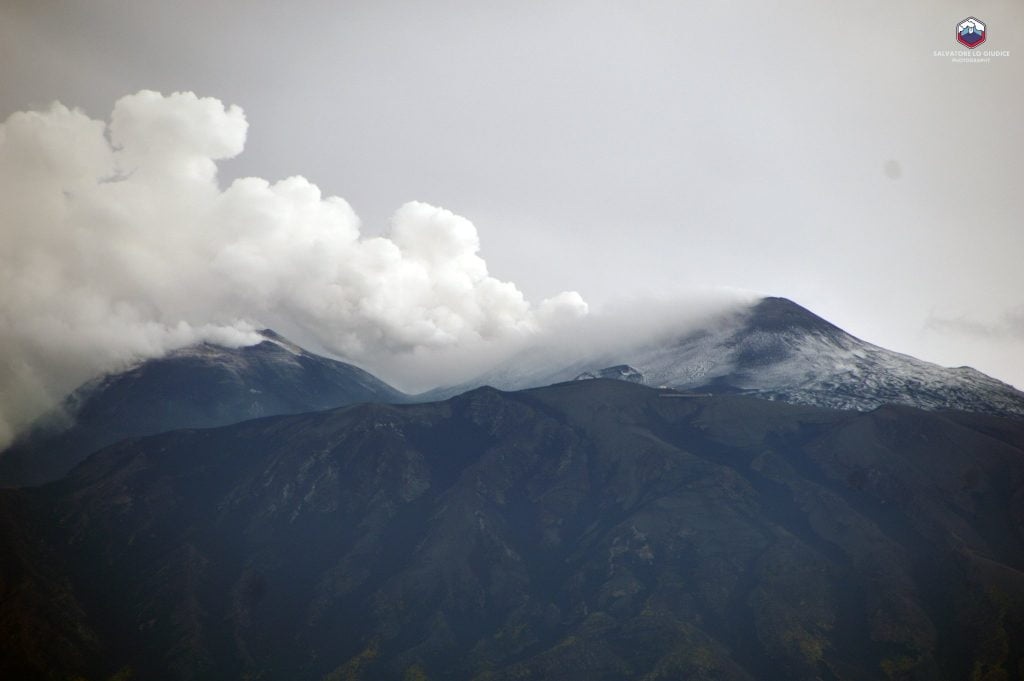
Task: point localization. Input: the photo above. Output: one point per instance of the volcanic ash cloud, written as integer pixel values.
(119, 244)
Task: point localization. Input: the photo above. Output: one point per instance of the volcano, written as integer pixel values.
(195, 387)
(774, 349)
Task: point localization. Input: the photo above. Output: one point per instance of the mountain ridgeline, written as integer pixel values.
(196, 387)
(767, 498)
(774, 349)
(592, 530)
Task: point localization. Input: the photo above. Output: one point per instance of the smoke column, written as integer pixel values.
(118, 244)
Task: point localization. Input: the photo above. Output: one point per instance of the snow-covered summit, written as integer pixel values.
(783, 351)
(621, 372)
(779, 350)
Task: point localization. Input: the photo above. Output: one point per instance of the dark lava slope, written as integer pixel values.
(589, 530)
(196, 387)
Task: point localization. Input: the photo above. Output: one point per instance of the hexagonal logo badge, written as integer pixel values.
(970, 32)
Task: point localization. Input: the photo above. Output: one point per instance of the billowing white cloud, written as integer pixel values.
(118, 244)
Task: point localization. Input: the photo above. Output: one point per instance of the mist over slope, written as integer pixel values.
(196, 387)
(772, 348)
(119, 244)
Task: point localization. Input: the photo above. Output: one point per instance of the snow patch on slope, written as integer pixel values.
(778, 350)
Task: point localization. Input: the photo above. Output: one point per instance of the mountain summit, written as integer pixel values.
(195, 387)
(774, 349)
(777, 350)
(783, 351)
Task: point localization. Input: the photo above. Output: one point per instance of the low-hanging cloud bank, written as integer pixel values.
(118, 244)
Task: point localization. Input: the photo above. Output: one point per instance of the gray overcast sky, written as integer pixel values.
(812, 150)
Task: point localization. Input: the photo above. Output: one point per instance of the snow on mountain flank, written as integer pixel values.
(777, 350)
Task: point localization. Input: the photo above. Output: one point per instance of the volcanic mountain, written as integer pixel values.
(773, 349)
(596, 530)
(195, 387)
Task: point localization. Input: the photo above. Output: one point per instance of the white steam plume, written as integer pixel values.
(118, 244)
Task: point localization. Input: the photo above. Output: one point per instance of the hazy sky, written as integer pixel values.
(805, 149)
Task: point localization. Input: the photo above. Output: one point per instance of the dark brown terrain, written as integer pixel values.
(590, 530)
